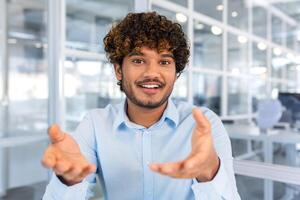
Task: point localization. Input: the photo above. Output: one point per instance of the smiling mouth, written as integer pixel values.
(150, 88)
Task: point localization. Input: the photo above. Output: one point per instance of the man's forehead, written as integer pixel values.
(147, 50)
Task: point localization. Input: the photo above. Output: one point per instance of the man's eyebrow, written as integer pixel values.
(135, 54)
(167, 55)
(164, 55)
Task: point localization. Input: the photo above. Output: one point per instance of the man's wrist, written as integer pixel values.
(211, 172)
(64, 181)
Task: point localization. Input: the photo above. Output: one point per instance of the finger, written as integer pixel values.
(188, 168)
(75, 172)
(87, 170)
(48, 160)
(191, 165)
(185, 170)
(55, 134)
(92, 168)
(154, 167)
(62, 167)
(170, 169)
(201, 121)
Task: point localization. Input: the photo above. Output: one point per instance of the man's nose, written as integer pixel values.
(152, 70)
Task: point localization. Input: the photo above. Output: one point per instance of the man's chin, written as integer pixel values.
(149, 105)
(147, 102)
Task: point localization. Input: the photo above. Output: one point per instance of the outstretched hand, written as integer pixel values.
(63, 156)
(202, 163)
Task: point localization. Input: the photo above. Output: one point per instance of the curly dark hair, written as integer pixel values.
(147, 29)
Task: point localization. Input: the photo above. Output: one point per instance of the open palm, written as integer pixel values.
(64, 157)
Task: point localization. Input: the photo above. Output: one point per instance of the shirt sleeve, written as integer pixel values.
(56, 190)
(223, 186)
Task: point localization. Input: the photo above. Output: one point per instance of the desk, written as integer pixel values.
(248, 133)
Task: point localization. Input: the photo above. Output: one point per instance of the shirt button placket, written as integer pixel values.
(148, 174)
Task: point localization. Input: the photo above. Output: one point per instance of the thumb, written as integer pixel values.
(55, 133)
(201, 121)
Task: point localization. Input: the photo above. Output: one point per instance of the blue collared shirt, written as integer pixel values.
(122, 151)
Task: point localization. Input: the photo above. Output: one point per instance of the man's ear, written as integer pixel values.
(118, 72)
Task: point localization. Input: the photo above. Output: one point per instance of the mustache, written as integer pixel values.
(147, 80)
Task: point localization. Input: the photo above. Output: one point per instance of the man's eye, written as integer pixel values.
(165, 62)
(137, 61)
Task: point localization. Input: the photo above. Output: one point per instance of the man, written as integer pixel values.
(147, 147)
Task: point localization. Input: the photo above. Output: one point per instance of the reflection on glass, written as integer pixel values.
(292, 87)
(237, 54)
(259, 91)
(87, 22)
(207, 46)
(284, 154)
(212, 9)
(277, 30)
(240, 149)
(256, 191)
(292, 67)
(237, 14)
(278, 63)
(259, 59)
(298, 42)
(27, 75)
(259, 23)
(290, 37)
(180, 2)
(237, 96)
(276, 88)
(88, 84)
(180, 87)
(282, 190)
(288, 7)
(27, 22)
(180, 18)
(207, 91)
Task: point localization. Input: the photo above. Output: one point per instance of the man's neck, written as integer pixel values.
(144, 116)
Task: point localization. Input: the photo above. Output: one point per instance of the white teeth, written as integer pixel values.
(150, 86)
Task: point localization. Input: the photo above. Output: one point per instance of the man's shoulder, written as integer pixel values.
(110, 110)
(185, 107)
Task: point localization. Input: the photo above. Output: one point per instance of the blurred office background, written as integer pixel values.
(243, 52)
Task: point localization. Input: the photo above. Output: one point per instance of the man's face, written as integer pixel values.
(147, 77)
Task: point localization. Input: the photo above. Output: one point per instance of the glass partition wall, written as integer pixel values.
(241, 52)
(89, 80)
(23, 93)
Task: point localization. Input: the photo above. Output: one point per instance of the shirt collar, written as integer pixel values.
(170, 113)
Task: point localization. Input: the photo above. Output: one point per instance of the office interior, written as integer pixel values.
(244, 65)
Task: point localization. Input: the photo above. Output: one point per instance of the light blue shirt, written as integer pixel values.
(122, 150)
